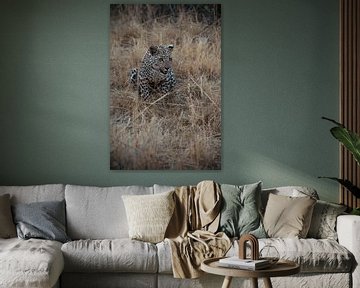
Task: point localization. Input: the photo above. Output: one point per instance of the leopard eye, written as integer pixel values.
(161, 59)
(170, 59)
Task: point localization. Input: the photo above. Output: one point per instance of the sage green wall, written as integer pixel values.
(280, 75)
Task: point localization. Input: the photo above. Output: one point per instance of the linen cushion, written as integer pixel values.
(98, 212)
(116, 255)
(287, 216)
(149, 215)
(35, 193)
(323, 222)
(163, 188)
(44, 220)
(313, 255)
(7, 226)
(31, 263)
(240, 210)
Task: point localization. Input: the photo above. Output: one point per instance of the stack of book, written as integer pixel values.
(248, 264)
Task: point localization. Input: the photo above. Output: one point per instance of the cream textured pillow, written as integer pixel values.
(149, 215)
(288, 217)
(7, 226)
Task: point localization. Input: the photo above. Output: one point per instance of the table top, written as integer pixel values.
(281, 268)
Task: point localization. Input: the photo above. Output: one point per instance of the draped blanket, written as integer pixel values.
(191, 232)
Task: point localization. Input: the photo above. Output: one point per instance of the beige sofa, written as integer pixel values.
(102, 255)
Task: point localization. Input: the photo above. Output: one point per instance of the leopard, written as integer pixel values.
(155, 74)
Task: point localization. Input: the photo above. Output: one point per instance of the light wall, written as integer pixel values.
(279, 76)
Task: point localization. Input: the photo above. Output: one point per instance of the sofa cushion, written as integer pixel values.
(116, 255)
(287, 216)
(98, 213)
(313, 255)
(30, 263)
(43, 220)
(162, 188)
(240, 210)
(7, 226)
(323, 222)
(164, 257)
(149, 215)
(291, 191)
(36, 193)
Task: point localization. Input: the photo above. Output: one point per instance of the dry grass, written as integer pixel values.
(177, 130)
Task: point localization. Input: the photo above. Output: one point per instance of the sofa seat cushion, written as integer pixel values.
(30, 263)
(313, 255)
(110, 255)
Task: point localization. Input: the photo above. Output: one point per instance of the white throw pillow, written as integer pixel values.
(149, 215)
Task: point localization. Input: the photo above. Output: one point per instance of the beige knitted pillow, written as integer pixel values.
(288, 217)
(148, 215)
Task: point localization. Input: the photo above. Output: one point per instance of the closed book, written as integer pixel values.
(236, 262)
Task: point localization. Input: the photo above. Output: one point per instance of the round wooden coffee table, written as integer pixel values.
(281, 268)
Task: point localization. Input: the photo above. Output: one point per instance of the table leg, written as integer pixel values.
(227, 282)
(254, 282)
(267, 283)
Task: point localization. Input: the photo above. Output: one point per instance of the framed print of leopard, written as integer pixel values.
(155, 74)
(165, 104)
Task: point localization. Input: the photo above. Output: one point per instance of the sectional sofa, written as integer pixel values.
(99, 253)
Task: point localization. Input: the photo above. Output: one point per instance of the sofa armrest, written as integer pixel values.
(348, 230)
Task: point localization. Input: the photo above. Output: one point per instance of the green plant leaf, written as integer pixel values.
(347, 184)
(355, 211)
(348, 138)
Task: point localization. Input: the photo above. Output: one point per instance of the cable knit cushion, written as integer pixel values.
(323, 222)
(288, 216)
(149, 215)
(116, 255)
(30, 263)
(7, 226)
(240, 213)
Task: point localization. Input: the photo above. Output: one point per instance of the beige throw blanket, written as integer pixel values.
(191, 231)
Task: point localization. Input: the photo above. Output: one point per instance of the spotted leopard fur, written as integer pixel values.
(155, 73)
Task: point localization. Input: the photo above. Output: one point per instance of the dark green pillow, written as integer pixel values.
(240, 210)
(43, 220)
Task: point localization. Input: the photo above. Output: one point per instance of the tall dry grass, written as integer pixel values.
(177, 130)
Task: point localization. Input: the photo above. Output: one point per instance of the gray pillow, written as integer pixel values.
(240, 210)
(44, 220)
(323, 222)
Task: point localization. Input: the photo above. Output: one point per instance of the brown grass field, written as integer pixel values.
(179, 130)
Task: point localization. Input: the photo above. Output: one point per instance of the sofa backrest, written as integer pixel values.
(163, 188)
(98, 212)
(36, 193)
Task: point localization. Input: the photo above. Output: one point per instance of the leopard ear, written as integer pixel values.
(171, 46)
(153, 49)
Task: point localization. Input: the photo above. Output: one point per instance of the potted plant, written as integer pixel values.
(351, 141)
